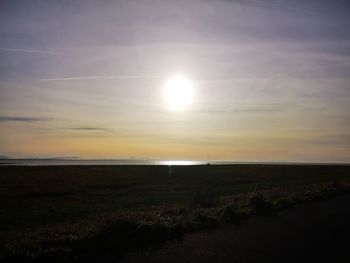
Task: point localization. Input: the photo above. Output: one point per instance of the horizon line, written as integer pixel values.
(167, 161)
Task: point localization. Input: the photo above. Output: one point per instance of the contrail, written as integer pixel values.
(33, 51)
(101, 77)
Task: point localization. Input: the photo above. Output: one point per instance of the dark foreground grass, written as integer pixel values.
(96, 213)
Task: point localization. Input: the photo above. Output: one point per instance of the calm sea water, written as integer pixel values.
(43, 162)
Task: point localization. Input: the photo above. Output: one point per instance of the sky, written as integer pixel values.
(86, 78)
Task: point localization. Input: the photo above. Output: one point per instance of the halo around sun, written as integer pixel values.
(178, 93)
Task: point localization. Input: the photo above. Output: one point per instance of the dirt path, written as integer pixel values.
(315, 232)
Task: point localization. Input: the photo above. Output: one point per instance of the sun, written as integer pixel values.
(178, 93)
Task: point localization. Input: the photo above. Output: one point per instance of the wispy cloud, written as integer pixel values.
(4, 156)
(250, 109)
(33, 51)
(88, 129)
(284, 6)
(100, 77)
(54, 157)
(331, 139)
(21, 119)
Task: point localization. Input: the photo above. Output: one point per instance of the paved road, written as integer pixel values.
(315, 232)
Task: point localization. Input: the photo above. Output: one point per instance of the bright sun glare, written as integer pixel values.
(178, 93)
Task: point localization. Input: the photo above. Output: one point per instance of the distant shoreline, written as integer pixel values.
(141, 162)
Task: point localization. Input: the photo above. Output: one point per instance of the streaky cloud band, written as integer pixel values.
(21, 119)
(87, 128)
(101, 78)
(287, 7)
(33, 51)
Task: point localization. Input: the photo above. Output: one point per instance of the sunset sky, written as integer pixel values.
(271, 79)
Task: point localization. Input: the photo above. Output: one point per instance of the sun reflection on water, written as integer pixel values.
(180, 162)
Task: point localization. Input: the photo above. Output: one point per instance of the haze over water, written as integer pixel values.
(50, 162)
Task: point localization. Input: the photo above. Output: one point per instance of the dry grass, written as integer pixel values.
(113, 231)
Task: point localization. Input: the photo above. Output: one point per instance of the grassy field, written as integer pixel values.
(70, 212)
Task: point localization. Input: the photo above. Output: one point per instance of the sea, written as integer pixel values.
(45, 162)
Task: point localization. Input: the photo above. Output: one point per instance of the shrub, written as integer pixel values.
(258, 203)
(229, 213)
(200, 219)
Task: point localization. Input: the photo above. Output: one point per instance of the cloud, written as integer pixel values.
(331, 139)
(87, 129)
(5, 156)
(101, 77)
(281, 5)
(250, 109)
(54, 157)
(33, 51)
(21, 119)
(89, 132)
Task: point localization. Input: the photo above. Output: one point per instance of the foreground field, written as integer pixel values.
(311, 232)
(69, 213)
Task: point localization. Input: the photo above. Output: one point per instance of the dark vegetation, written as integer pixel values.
(95, 213)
